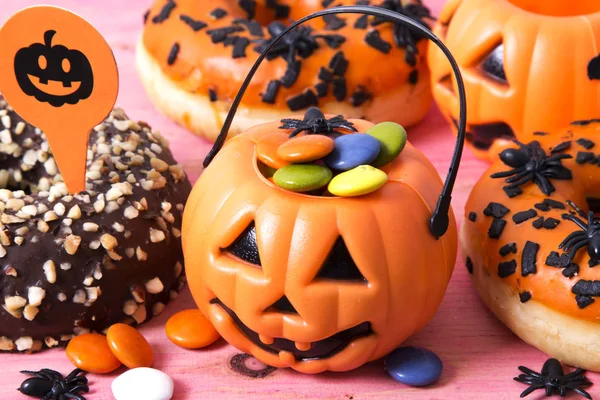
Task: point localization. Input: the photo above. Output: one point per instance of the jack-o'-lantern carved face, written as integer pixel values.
(312, 282)
(529, 67)
(54, 74)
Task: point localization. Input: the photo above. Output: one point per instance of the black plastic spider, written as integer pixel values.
(315, 122)
(299, 42)
(48, 384)
(404, 37)
(553, 380)
(530, 163)
(589, 236)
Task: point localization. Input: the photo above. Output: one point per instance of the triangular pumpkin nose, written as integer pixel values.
(283, 305)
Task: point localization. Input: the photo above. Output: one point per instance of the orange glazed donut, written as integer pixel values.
(193, 56)
(532, 242)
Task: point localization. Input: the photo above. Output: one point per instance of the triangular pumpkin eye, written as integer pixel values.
(339, 265)
(283, 305)
(493, 64)
(245, 246)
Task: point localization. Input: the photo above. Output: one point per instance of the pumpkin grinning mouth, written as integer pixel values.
(320, 349)
(54, 87)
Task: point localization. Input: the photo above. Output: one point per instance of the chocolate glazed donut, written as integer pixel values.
(78, 263)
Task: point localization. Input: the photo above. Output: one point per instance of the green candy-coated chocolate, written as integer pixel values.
(302, 177)
(392, 139)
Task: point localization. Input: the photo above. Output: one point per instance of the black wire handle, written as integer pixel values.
(438, 223)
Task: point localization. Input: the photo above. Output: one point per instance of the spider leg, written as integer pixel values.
(522, 181)
(529, 371)
(579, 391)
(531, 389)
(79, 388)
(578, 371)
(73, 374)
(79, 380)
(576, 248)
(504, 174)
(558, 157)
(572, 240)
(517, 176)
(73, 396)
(557, 173)
(544, 184)
(297, 131)
(575, 220)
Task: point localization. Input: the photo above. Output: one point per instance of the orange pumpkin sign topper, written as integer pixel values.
(60, 75)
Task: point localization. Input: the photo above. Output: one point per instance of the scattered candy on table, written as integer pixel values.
(353, 150)
(143, 383)
(129, 346)
(190, 329)
(392, 139)
(90, 352)
(302, 149)
(361, 180)
(302, 177)
(414, 366)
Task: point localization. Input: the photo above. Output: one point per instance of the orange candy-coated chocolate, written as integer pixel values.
(266, 149)
(90, 352)
(191, 330)
(129, 346)
(306, 148)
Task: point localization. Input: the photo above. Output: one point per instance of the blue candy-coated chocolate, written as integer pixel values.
(414, 366)
(353, 150)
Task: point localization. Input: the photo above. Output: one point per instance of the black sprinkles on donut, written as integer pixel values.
(528, 258)
(218, 13)
(583, 301)
(228, 36)
(472, 216)
(508, 248)
(85, 274)
(523, 216)
(173, 54)
(192, 23)
(165, 12)
(496, 210)
(496, 228)
(507, 268)
(524, 297)
(585, 143)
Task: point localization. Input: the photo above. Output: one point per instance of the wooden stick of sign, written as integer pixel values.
(58, 73)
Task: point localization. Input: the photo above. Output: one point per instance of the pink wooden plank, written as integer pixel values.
(479, 354)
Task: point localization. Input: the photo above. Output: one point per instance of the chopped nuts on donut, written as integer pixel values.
(69, 259)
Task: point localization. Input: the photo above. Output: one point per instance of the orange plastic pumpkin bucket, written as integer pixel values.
(319, 283)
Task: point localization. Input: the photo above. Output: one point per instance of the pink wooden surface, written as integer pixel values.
(480, 355)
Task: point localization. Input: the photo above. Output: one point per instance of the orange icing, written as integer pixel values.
(202, 65)
(547, 286)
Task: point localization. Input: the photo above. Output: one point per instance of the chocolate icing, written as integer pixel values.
(109, 254)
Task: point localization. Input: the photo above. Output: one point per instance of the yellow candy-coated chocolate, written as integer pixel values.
(361, 180)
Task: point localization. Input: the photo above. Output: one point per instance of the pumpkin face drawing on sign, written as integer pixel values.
(54, 74)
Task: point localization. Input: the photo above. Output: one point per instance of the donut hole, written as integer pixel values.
(558, 8)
